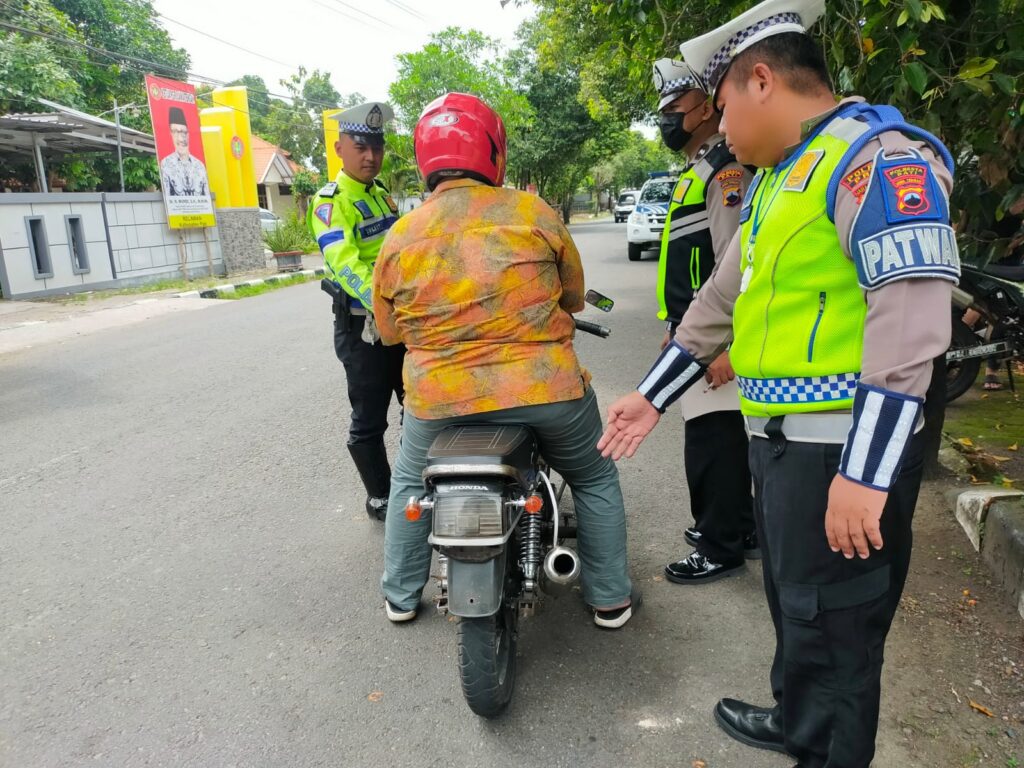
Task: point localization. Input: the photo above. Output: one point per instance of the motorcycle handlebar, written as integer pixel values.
(594, 328)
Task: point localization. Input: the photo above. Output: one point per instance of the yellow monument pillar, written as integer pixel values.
(224, 119)
(216, 167)
(236, 98)
(331, 134)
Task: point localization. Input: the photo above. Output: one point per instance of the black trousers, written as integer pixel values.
(718, 475)
(831, 614)
(374, 374)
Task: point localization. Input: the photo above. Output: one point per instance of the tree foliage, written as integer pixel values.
(554, 140)
(466, 61)
(47, 56)
(953, 66)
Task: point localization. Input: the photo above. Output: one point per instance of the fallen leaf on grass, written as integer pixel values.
(979, 708)
(375, 696)
(975, 480)
(1008, 482)
(1013, 447)
(966, 442)
(699, 764)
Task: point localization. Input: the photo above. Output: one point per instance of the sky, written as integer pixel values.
(354, 40)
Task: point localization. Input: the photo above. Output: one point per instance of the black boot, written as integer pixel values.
(754, 726)
(371, 460)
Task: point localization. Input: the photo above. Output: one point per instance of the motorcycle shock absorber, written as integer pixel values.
(442, 584)
(532, 550)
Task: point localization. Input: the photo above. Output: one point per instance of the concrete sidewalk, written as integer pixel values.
(24, 325)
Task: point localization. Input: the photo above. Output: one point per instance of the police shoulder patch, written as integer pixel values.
(323, 212)
(682, 187)
(800, 174)
(328, 190)
(857, 180)
(730, 180)
(902, 229)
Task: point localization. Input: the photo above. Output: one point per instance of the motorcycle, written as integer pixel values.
(996, 294)
(500, 531)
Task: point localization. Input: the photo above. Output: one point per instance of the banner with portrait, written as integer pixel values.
(179, 152)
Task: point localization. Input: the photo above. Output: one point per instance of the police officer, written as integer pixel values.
(703, 217)
(835, 296)
(349, 218)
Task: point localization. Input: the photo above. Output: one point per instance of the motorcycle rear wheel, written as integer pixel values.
(487, 660)
(961, 375)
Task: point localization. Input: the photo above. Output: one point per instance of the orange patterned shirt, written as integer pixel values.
(478, 283)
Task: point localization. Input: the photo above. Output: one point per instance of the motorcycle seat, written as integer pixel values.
(1014, 274)
(507, 450)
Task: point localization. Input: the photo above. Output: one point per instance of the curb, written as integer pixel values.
(993, 520)
(217, 291)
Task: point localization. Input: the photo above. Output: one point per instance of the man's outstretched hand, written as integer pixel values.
(630, 420)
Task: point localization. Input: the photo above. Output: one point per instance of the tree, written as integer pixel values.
(953, 66)
(399, 172)
(32, 66)
(298, 126)
(456, 60)
(260, 102)
(632, 164)
(565, 139)
(47, 57)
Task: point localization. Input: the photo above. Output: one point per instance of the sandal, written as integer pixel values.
(992, 383)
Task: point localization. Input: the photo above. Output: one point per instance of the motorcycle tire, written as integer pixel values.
(961, 375)
(487, 660)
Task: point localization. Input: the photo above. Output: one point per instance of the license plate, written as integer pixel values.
(967, 353)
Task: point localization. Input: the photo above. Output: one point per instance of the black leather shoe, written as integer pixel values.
(751, 547)
(697, 569)
(754, 726)
(692, 536)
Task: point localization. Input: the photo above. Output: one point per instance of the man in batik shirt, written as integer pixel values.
(479, 283)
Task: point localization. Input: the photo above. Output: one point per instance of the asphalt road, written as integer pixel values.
(189, 579)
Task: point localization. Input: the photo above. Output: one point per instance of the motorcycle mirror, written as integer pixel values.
(599, 300)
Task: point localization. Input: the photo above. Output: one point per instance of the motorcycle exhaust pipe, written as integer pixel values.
(562, 566)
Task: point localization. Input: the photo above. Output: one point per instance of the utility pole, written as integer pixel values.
(120, 160)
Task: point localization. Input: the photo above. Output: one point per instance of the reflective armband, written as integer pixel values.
(883, 425)
(673, 373)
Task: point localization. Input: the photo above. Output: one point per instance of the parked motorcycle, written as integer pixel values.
(996, 294)
(500, 531)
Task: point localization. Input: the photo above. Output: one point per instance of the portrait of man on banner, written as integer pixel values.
(182, 172)
(179, 150)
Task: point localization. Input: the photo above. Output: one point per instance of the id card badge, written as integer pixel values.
(748, 270)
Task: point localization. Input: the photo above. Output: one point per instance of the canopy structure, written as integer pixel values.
(64, 130)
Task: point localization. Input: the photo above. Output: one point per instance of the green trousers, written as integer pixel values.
(568, 433)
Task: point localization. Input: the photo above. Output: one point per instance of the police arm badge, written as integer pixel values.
(902, 229)
(730, 181)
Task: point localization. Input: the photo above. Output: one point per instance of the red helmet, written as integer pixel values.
(458, 135)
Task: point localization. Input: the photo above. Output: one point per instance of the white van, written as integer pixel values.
(626, 203)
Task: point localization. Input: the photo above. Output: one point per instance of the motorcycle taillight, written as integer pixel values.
(458, 516)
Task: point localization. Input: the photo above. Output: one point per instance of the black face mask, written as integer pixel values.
(672, 131)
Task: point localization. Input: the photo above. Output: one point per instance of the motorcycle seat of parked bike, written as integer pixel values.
(1014, 274)
(507, 450)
